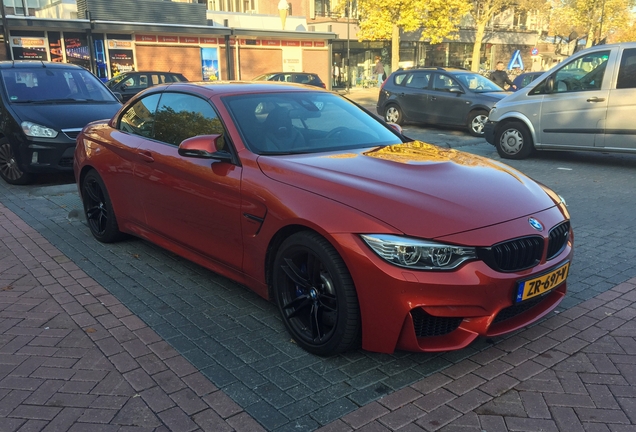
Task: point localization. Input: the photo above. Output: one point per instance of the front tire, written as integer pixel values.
(315, 295)
(98, 209)
(476, 122)
(513, 141)
(393, 114)
(9, 169)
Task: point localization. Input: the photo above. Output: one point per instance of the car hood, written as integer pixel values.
(420, 189)
(495, 96)
(65, 115)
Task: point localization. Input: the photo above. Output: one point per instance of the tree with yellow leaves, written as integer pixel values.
(384, 19)
(592, 19)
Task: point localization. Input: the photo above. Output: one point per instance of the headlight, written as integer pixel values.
(418, 254)
(35, 130)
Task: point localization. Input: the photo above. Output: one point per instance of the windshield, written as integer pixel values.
(478, 83)
(264, 77)
(43, 85)
(115, 80)
(307, 122)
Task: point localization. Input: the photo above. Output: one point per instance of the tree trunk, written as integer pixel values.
(480, 30)
(395, 48)
(590, 37)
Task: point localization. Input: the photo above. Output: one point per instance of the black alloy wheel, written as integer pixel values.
(9, 169)
(315, 295)
(99, 209)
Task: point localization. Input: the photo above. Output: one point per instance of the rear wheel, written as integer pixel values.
(513, 141)
(393, 114)
(476, 122)
(315, 295)
(9, 169)
(99, 209)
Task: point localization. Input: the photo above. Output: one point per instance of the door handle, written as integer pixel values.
(596, 99)
(146, 156)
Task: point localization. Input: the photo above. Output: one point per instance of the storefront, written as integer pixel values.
(199, 52)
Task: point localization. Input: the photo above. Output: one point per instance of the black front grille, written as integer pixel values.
(517, 309)
(558, 239)
(71, 133)
(513, 255)
(428, 325)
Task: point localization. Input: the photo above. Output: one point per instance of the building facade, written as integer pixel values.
(231, 39)
(200, 47)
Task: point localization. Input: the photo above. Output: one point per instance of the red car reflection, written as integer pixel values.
(358, 234)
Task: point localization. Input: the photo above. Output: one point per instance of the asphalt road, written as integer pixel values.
(237, 340)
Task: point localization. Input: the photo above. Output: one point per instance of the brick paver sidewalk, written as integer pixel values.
(72, 357)
(573, 372)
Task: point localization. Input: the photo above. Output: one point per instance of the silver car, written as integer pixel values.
(585, 103)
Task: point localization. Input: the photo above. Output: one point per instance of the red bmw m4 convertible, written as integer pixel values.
(361, 236)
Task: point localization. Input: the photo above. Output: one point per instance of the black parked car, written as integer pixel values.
(129, 84)
(524, 79)
(292, 77)
(440, 96)
(44, 106)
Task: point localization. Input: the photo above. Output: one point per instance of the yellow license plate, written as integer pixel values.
(542, 284)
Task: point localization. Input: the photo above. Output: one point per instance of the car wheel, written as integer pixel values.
(513, 141)
(9, 169)
(393, 114)
(315, 295)
(476, 122)
(99, 209)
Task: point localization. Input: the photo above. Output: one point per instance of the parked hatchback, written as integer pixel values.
(43, 107)
(293, 77)
(129, 84)
(439, 96)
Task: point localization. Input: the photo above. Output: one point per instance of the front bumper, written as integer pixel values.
(48, 155)
(489, 132)
(439, 311)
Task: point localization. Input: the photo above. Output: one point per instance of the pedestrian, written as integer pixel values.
(379, 70)
(336, 74)
(500, 77)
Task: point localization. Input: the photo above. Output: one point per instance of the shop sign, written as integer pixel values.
(145, 38)
(116, 44)
(27, 42)
(208, 41)
(169, 39)
(320, 44)
(307, 43)
(271, 43)
(291, 43)
(188, 40)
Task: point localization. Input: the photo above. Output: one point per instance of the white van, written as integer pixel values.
(587, 102)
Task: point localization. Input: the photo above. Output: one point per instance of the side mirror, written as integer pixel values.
(205, 147)
(396, 127)
(549, 84)
(456, 90)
